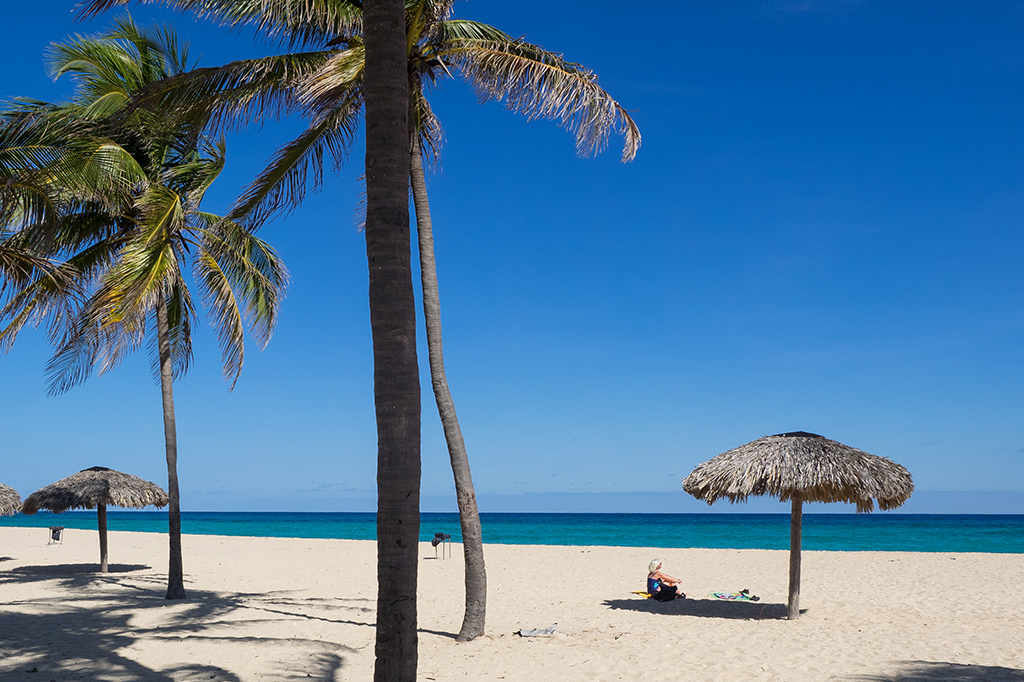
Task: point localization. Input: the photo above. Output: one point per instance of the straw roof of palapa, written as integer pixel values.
(819, 469)
(10, 500)
(92, 487)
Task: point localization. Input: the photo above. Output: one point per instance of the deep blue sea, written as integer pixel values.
(842, 532)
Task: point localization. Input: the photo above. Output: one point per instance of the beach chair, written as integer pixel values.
(56, 535)
(443, 539)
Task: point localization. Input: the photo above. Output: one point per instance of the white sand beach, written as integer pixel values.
(284, 609)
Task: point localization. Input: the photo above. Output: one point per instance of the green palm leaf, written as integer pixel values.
(238, 271)
(284, 182)
(225, 97)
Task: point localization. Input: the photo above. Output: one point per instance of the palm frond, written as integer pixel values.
(224, 313)
(33, 288)
(180, 313)
(35, 165)
(192, 177)
(73, 362)
(237, 271)
(26, 200)
(83, 228)
(428, 127)
(99, 338)
(103, 170)
(282, 185)
(113, 322)
(537, 83)
(336, 81)
(147, 264)
(109, 68)
(424, 18)
(297, 22)
(226, 97)
(32, 134)
(18, 262)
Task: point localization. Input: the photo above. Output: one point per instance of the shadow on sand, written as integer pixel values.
(932, 671)
(56, 570)
(83, 629)
(704, 608)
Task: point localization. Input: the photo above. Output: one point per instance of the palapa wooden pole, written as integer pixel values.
(795, 528)
(101, 513)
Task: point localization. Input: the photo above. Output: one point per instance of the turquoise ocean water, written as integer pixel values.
(837, 532)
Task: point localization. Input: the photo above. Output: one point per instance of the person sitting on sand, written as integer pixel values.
(661, 586)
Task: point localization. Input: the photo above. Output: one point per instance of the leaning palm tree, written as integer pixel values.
(328, 86)
(132, 249)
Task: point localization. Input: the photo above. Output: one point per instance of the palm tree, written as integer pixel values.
(130, 241)
(396, 387)
(527, 78)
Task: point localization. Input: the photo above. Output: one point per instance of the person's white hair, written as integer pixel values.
(654, 566)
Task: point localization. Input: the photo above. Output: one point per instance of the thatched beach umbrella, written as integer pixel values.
(801, 467)
(10, 501)
(96, 488)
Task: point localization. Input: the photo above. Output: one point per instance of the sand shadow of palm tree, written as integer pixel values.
(75, 576)
(78, 630)
(357, 610)
(204, 604)
(933, 671)
(60, 643)
(704, 608)
(50, 571)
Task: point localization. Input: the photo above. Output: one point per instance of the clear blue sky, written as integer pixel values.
(821, 232)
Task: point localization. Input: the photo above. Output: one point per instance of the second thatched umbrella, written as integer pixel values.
(96, 488)
(801, 467)
(10, 501)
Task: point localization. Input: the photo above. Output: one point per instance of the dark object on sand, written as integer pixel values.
(801, 467)
(443, 539)
(96, 488)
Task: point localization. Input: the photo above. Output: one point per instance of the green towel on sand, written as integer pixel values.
(742, 595)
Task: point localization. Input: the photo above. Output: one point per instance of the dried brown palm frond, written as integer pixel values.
(10, 500)
(819, 469)
(536, 83)
(93, 487)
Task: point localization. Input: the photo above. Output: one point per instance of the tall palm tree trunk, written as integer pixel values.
(393, 322)
(469, 514)
(175, 573)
